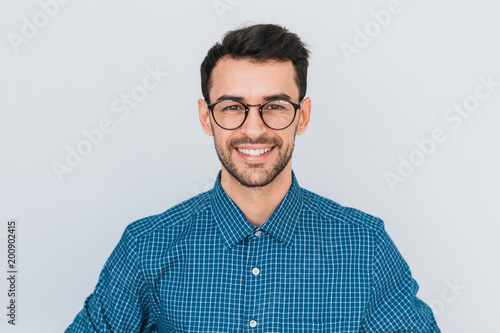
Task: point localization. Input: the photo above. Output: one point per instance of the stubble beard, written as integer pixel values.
(254, 175)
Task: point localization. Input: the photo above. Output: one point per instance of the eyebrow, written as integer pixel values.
(282, 96)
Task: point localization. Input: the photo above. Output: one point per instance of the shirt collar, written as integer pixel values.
(234, 227)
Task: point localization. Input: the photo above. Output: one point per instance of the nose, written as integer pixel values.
(254, 125)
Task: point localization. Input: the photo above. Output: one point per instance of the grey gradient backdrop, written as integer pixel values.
(367, 113)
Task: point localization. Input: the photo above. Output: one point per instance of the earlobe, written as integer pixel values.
(204, 115)
(305, 115)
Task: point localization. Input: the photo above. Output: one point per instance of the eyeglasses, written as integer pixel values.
(276, 114)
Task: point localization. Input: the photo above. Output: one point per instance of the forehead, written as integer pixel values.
(253, 81)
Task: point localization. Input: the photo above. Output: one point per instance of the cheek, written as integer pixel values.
(220, 139)
(288, 139)
(292, 134)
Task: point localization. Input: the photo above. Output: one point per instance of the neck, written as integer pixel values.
(257, 203)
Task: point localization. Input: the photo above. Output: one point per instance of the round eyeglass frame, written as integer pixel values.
(261, 106)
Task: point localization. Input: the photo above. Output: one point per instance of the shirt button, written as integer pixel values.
(255, 271)
(252, 323)
(257, 233)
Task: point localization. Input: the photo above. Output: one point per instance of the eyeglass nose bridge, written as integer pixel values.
(247, 111)
(254, 105)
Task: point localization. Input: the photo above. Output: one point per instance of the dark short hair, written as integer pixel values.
(258, 43)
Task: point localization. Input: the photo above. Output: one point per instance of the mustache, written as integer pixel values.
(262, 140)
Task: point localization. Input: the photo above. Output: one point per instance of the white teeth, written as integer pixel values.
(254, 152)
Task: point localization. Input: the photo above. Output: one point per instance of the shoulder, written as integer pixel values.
(336, 213)
(174, 218)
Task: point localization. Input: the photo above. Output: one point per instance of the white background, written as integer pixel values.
(366, 113)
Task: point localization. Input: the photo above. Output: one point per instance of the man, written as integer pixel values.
(257, 253)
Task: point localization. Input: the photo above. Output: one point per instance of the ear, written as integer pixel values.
(204, 115)
(304, 116)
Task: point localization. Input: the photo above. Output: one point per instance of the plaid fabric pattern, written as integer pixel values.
(314, 266)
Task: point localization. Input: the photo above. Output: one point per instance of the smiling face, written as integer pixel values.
(254, 154)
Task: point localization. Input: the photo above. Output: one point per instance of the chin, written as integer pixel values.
(250, 178)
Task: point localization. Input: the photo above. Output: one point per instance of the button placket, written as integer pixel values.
(254, 300)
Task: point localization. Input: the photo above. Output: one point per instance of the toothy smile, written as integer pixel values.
(254, 152)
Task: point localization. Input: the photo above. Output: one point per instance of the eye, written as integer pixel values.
(229, 107)
(277, 106)
(235, 107)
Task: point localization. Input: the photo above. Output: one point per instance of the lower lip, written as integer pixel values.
(255, 158)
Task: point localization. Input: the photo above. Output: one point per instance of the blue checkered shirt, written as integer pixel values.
(314, 266)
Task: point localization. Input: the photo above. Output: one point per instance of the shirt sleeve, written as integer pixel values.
(120, 301)
(394, 306)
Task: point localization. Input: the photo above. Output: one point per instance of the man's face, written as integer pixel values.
(253, 153)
